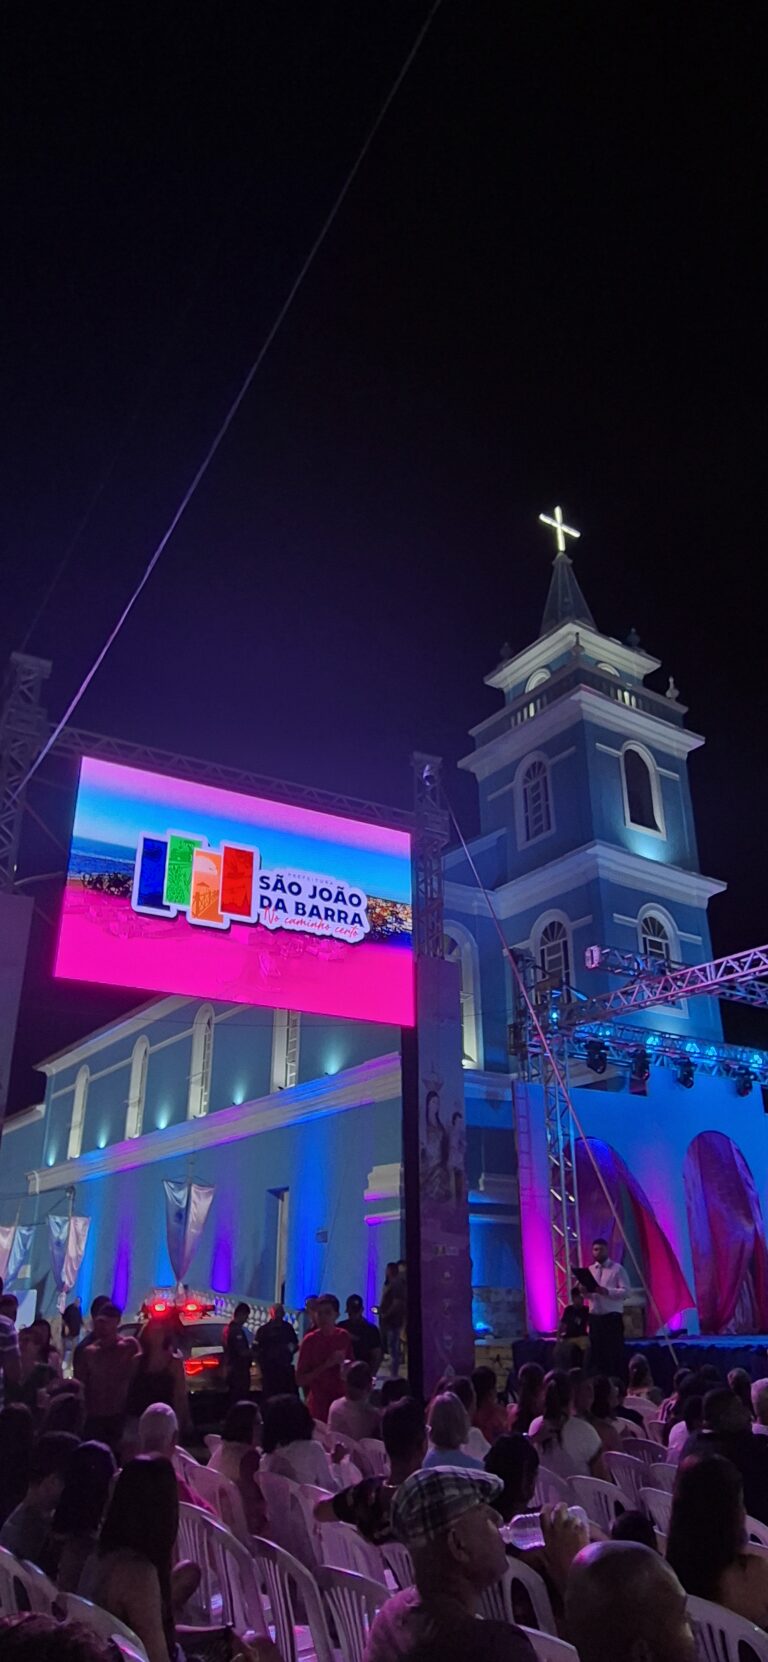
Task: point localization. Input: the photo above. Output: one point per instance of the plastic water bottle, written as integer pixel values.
(524, 1531)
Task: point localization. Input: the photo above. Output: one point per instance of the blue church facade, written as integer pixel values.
(587, 836)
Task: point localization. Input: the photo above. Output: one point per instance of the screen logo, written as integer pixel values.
(180, 873)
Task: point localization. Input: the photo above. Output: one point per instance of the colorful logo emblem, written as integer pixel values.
(217, 887)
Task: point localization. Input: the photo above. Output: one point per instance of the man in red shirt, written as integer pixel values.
(318, 1365)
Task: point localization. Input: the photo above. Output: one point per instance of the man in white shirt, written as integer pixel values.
(606, 1307)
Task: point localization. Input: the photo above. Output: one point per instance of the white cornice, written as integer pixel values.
(543, 652)
(583, 704)
(651, 878)
(136, 1021)
(28, 1116)
(374, 1081)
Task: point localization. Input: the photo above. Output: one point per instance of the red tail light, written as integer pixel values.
(193, 1365)
(210, 1361)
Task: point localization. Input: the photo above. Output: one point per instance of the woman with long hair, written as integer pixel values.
(289, 1446)
(158, 1374)
(530, 1398)
(130, 1575)
(603, 1416)
(707, 1545)
(567, 1443)
(237, 1457)
(77, 1519)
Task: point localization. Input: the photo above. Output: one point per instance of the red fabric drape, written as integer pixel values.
(663, 1275)
(725, 1222)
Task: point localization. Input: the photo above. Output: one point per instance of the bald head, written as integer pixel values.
(624, 1604)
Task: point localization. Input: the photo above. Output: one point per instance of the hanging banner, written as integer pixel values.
(15, 1248)
(67, 1239)
(186, 1208)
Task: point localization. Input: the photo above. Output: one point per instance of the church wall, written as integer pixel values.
(242, 1054)
(324, 1163)
(328, 1046)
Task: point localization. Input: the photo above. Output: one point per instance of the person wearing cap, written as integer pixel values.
(447, 1519)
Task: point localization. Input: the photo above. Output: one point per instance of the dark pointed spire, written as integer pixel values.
(565, 601)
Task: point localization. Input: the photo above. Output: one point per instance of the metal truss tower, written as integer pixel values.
(23, 728)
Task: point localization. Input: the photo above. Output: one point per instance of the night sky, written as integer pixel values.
(545, 286)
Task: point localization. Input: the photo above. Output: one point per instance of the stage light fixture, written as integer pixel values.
(686, 1073)
(597, 1056)
(743, 1081)
(641, 1066)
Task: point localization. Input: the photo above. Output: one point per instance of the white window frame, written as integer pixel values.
(656, 796)
(201, 1063)
(286, 1044)
(652, 910)
(137, 1088)
(537, 933)
(537, 679)
(523, 840)
(77, 1122)
(471, 1004)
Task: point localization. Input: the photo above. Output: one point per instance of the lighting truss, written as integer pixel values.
(669, 1050)
(740, 975)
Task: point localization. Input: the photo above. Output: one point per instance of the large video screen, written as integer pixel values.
(174, 887)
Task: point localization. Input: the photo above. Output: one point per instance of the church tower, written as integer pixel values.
(587, 827)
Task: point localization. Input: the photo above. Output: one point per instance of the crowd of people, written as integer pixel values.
(90, 1487)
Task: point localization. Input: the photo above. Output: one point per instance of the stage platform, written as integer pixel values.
(692, 1350)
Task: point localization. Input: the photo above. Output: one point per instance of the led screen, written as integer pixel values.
(174, 887)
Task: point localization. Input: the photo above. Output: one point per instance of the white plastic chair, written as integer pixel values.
(643, 1449)
(212, 1441)
(655, 1429)
(757, 1531)
(601, 1501)
(629, 1474)
(551, 1489)
(399, 1562)
(229, 1589)
(376, 1456)
(128, 1651)
(287, 1521)
(290, 1586)
(101, 1622)
(719, 1633)
(662, 1476)
(353, 1601)
(549, 1649)
(497, 1602)
(24, 1587)
(223, 1495)
(343, 1548)
(658, 1504)
(184, 1464)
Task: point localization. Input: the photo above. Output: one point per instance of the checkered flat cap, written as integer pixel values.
(428, 1502)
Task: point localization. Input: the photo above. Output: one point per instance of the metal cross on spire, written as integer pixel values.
(559, 527)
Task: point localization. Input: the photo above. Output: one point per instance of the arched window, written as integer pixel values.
(537, 679)
(202, 1062)
(536, 805)
(137, 1088)
(459, 948)
(655, 939)
(552, 951)
(642, 797)
(77, 1122)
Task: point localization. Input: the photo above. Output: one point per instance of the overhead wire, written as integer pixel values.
(244, 388)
